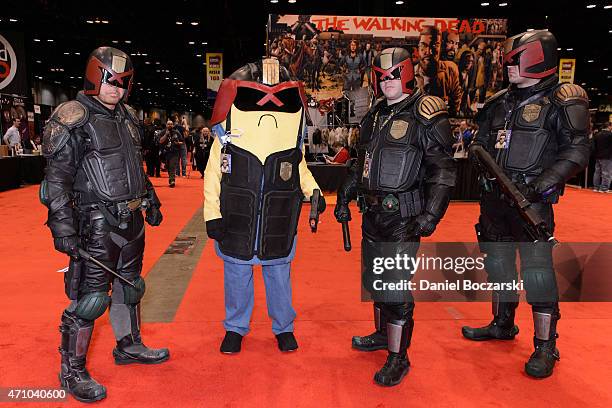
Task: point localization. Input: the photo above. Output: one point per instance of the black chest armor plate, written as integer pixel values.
(260, 204)
(393, 152)
(112, 160)
(532, 146)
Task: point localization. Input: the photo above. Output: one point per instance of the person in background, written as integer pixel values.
(150, 149)
(178, 126)
(12, 137)
(202, 148)
(341, 157)
(602, 146)
(466, 134)
(172, 140)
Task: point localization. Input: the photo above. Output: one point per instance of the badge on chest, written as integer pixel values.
(531, 112)
(398, 129)
(226, 163)
(503, 139)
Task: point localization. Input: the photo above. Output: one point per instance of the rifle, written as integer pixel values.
(536, 227)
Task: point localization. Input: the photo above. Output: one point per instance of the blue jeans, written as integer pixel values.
(183, 157)
(239, 297)
(603, 174)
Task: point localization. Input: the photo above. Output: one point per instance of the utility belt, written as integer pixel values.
(119, 213)
(408, 203)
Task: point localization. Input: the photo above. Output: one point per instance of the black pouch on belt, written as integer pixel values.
(411, 203)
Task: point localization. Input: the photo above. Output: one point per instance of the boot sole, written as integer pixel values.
(537, 376)
(121, 361)
(366, 349)
(65, 388)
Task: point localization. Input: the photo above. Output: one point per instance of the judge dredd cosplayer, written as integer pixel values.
(95, 190)
(536, 130)
(403, 180)
(256, 177)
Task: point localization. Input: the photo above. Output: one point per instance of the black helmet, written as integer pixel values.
(108, 65)
(393, 63)
(535, 52)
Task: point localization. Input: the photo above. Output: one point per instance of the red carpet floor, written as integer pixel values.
(446, 369)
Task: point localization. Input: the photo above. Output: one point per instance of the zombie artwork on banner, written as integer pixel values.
(458, 60)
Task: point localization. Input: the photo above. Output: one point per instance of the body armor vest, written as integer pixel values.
(393, 152)
(531, 146)
(260, 203)
(111, 165)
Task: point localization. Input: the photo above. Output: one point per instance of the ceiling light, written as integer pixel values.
(38, 61)
(191, 42)
(198, 55)
(484, 4)
(605, 69)
(49, 39)
(66, 53)
(503, 4)
(128, 41)
(530, 29)
(115, 42)
(559, 49)
(590, 6)
(104, 21)
(77, 53)
(399, 2)
(274, 1)
(204, 43)
(292, 1)
(179, 22)
(609, 6)
(13, 20)
(569, 49)
(194, 23)
(590, 61)
(37, 39)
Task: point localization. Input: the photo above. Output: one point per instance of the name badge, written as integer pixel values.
(226, 163)
(366, 165)
(503, 139)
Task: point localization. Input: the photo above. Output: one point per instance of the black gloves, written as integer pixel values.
(153, 216)
(424, 225)
(342, 212)
(68, 245)
(530, 192)
(322, 204)
(215, 229)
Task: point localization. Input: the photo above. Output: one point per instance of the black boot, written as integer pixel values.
(231, 343)
(397, 365)
(542, 361)
(376, 340)
(502, 326)
(130, 349)
(74, 377)
(286, 342)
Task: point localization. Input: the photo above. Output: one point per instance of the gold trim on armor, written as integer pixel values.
(70, 112)
(431, 106)
(568, 92)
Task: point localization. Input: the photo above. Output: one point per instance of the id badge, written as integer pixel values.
(226, 163)
(503, 139)
(366, 166)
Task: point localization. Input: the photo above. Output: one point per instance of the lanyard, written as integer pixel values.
(527, 101)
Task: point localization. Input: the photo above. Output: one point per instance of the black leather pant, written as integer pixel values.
(387, 234)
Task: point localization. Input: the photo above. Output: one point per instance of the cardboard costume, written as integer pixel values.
(255, 180)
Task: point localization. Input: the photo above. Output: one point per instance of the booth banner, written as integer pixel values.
(13, 74)
(459, 60)
(567, 69)
(214, 73)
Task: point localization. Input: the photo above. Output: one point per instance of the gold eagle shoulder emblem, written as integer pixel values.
(431, 106)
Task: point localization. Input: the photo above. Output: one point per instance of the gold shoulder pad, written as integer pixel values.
(570, 92)
(431, 106)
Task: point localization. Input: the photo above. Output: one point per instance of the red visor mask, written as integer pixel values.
(531, 54)
(98, 73)
(402, 70)
(253, 96)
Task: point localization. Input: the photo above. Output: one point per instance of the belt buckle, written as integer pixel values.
(134, 204)
(390, 203)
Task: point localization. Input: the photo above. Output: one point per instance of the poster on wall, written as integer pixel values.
(13, 77)
(214, 73)
(14, 107)
(459, 60)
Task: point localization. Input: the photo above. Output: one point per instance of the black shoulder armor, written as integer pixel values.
(65, 117)
(574, 102)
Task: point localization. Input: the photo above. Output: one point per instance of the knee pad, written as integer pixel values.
(92, 305)
(540, 285)
(127, 294)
